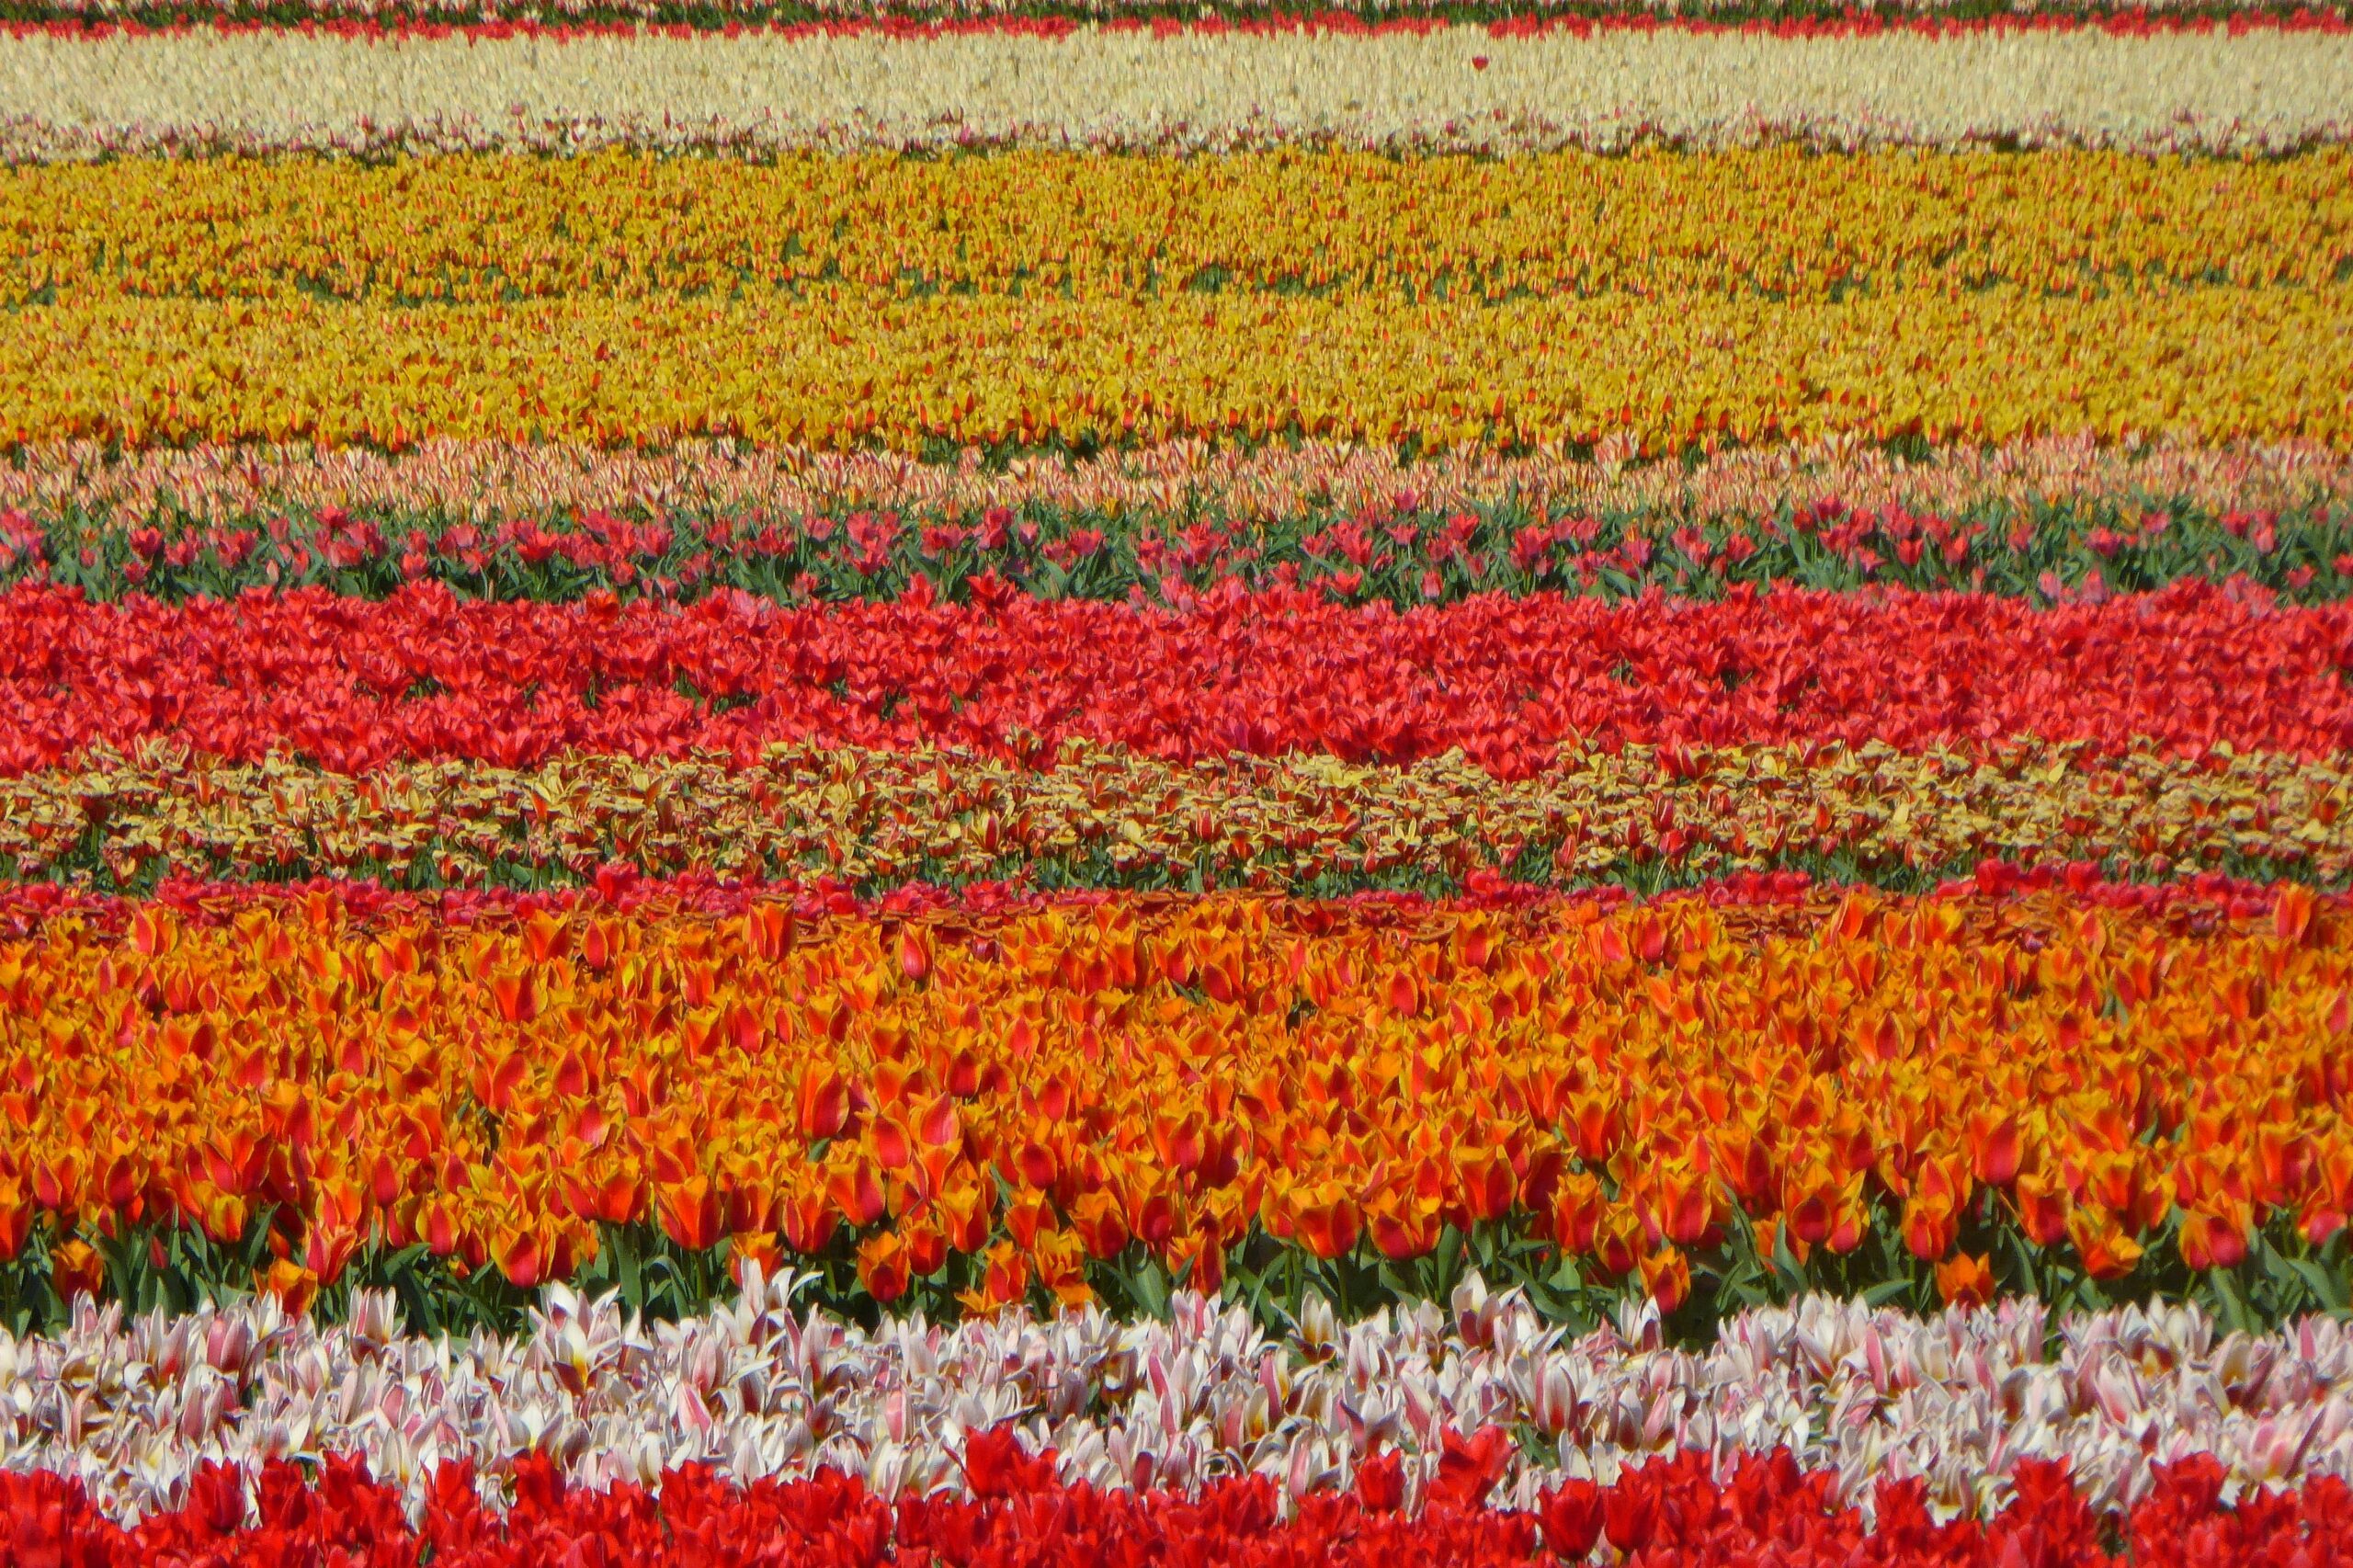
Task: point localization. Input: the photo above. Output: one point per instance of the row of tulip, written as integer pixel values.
(1776, 223)
(1762, 1511)
(58, 489)
(1404, 557)
(1960, 1418)
(1710, 1104)
(842, 366)
(1639, 817)
(563, 19)
(353, 685)
(1433, 86)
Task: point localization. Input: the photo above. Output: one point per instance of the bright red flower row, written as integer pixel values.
(1667, 1512)
(352, 683)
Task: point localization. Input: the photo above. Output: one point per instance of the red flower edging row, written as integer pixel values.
(353, 684)
(1667, 1512)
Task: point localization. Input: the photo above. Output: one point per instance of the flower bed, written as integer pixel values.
(1671, 1514)
(476, 230)
(834, 366)
(2047, 549)
(484, 483)
(1701, 1102)
(746, 1416)
(2211, 89)
(354, 684)
(1638, 817)
(909, 784)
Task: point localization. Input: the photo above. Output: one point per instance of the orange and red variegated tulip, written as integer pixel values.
(76, 1269)
(1965, 1280)
(882, 1266)
(1666, 1276)
(2103, 1071)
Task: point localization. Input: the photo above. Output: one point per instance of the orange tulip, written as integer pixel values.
(882, 1267)
(293, 1285)
(1004, 1281)
(1100, 1224)
(768, 931)
(2211, 1241)
(76, 1269)
(2043, 1209)
(1931, 1214)
(2107, 1252)
(1666, 1276)
(1683, 1203)
(521, 1258)
(1197, 1260)
(1060, 1261)
(1994, 1147)
(1027, 1213)
(1577, 1209)
(16, 1220)
(1930, 1227)
(927, 1244)
(1965, 1281)
(745, 1251)
(1327, 1220)
(690, 1212)
(1620, 1246)
(825, 1103)
(808, 1218)
(914, 956)
(963, 1210)
(1486, 1184)
(856, 1191)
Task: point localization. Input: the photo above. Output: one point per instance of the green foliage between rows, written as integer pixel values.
(2283, 1277)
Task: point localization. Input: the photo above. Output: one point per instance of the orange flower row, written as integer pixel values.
(1039, 1088)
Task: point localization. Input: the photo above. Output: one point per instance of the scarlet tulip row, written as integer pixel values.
(1684, 1512)
(354, 684)
(1939, 1097)
(1637, 816)
(1404, 556)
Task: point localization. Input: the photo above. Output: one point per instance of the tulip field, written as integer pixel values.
(1020, 782)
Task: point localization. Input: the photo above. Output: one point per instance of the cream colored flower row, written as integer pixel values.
(485, 482)
(1454, 87)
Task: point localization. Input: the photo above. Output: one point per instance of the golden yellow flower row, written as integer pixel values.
(1077, 1079)
(842, 365)
(1780, 220)
(1110, 816)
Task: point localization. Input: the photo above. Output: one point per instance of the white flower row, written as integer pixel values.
(762, 1390)
(1452, 87)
